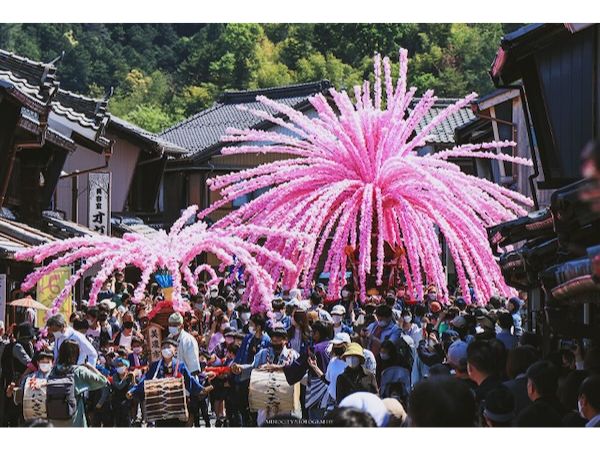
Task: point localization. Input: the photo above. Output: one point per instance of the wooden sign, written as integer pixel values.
(153, 335)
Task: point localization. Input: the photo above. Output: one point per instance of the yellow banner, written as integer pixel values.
(48, 289)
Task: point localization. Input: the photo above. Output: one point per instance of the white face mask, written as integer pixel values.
(230, 306)
(278, 315)
(353, 361)
(121, 370)
(214, 294)
(251, 330)
(245, 316)
(173, 330)
(337, 319)
(241, 291)
(407, 319)
(45, 367)
(57, 335)
(167, 353)
(345, 294)
(580, 409)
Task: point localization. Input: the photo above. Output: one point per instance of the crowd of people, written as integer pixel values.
(390, 361)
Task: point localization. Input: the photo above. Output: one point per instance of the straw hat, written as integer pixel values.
(354, 349)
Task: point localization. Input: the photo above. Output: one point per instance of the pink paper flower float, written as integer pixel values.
(171, 254)
(354, 179)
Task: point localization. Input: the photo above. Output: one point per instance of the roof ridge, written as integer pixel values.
(81, 96)
(274, 92)
(25, 59)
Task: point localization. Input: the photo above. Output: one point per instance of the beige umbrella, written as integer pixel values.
(28, 302)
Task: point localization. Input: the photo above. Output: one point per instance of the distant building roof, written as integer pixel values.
(37, 86)
(444, 132)
(154, 141)
(201, 134)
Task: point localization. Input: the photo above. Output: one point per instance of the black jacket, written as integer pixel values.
(355, 380)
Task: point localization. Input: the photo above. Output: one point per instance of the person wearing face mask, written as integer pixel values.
(43, 362)
(409, 328)
(187, 346)
(124, 337)
(275, 357)
(217, 332)
(169, 367)
(255, 341)
(57, 326)
(280, 319)
(588, 402)
(213, 293)
(383, 328)
(355, 377)
(338, 312)
(240, 289)
(219, 393)
(137, 359)
(240, 322)
(122, 381)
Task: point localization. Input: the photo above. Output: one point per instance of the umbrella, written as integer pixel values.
(28, 302)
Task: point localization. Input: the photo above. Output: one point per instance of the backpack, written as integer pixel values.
(405, 353)
(61, 401)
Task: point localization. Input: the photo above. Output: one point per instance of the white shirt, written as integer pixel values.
(334, 370)
(187, 351)
(87, 352)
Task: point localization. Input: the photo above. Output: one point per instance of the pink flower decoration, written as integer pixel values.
(175, 252)
(353, 170)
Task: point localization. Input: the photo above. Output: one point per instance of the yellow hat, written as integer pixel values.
(354, 349)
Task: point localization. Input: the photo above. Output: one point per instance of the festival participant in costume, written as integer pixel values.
(354, 378)
(67, 383)
(122, 381)
(274, 357)
(43, 362)
(57, 326)
(168, 367)
(255, 341)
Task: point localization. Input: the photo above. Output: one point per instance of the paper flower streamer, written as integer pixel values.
(354, 173)
(171, 255)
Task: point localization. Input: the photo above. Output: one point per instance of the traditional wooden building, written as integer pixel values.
(555, 68)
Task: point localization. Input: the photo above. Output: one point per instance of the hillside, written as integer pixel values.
(164, 72)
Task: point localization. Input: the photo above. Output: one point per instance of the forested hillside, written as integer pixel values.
(164, 72)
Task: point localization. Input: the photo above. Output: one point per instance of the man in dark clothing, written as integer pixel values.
(546, 410)
(518, 361)
(355, 378)
(482, 368)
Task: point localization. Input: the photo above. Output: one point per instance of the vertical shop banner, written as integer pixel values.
(3, 297)
(99, 202)
(47, 290)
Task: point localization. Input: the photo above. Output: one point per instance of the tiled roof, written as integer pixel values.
(37, 81)
(156, 142)
(202, 132)
(32, 77)
(444, 132)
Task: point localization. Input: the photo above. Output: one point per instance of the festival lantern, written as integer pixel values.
(354, 180)
(169, 257)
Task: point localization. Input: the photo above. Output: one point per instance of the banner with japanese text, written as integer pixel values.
(47, 290)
